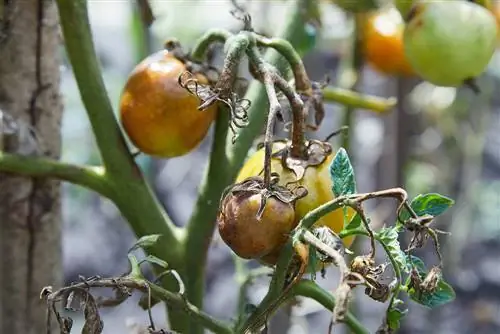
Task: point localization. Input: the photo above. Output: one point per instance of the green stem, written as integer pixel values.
(355, 100)
(201, 225)
(310, 289)
(91, 177)
(302, 81)
(354, 65)
(195, 314)
(81, 53)
(202, 44)
(131, 194)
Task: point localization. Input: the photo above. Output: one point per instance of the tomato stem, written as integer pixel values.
(204, 42)
(237, 46)
(355, 100)
(302, 81)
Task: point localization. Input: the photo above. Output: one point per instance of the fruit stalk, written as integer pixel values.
(302, 81)
(355, 100)
(270, 77)
(203, 43)
(236, 47)
(354, 64)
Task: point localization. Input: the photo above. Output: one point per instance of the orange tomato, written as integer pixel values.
(159, 116)
(383, 42)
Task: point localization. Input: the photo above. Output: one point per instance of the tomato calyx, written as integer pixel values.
(209, 72)
(255, 185)
(316, 153)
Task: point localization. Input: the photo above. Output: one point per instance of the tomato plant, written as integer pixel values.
(293, 202)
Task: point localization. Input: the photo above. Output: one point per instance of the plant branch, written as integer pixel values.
(80, 49)
(355, 100)
(132, 195)
(302, 81)
(310, 289)
(203, 43)
(355, 68)
(202, 222)
(278, 283)
(201, 225)
(176, 300)
(270, 77)
(86, 176)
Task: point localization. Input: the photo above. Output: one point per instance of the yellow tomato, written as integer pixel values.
(159, 116)
(316, 180)
(383, 43)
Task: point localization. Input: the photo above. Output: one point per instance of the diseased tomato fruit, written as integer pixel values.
(449, 42)
(159, 116)
(249, 235)
(316, 180)
(383, 42)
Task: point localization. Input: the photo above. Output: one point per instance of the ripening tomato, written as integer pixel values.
(159, 116)
(250, 236)
(450, 42)
(383, 42)
(316, 180)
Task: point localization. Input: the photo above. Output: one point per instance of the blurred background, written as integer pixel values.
(437, 139)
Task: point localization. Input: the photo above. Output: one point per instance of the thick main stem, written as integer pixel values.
(202, 222)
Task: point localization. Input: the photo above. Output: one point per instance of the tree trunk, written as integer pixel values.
(30, 214)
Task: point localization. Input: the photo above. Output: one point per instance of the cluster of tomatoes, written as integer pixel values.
(443, 42)
(162, 119)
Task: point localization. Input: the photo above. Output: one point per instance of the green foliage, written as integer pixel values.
(342, 174)
(394, 317)
(429, 204)
(388, 236)
(443, 293)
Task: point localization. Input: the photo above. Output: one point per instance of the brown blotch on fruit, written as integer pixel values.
(254, 221)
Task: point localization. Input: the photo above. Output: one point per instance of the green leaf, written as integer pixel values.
(356, 224)
(418, 264)
(342, 174)
(389, 237)
(429, 204)
(146, 241)
(444, 292)
(394, 316)
(443, 295)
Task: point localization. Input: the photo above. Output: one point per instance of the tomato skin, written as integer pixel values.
(159, 116)
(247, 236)
(449, 42)
(316, 180)
(383, 42)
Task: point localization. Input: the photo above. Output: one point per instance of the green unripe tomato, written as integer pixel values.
(449, 42)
